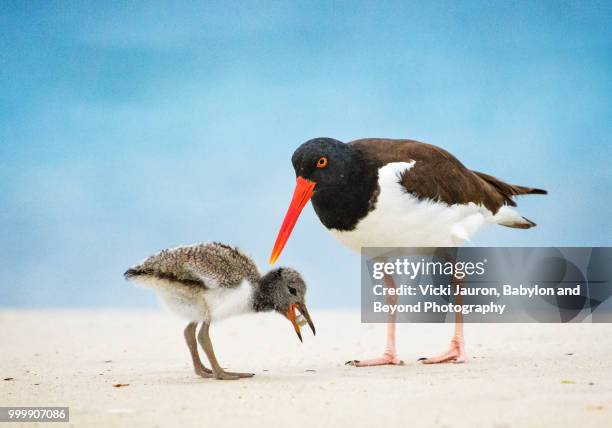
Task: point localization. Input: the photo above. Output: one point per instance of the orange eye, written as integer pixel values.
(322, 162)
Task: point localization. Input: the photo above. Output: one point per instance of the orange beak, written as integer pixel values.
(301, 195)
(292, 315)
(293, 318)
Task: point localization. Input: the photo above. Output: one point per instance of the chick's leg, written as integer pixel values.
(190, 338)
(206, 344)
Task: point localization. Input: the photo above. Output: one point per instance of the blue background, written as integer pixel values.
(126, 128)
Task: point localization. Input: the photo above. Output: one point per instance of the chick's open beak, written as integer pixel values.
(298, 315)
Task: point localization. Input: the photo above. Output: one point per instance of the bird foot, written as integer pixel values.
(223, 375)
(388, 359)
(204, 372)
(454, 354)
(241, 375)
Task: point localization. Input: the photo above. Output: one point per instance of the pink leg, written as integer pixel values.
(456, 352)
(389, 357)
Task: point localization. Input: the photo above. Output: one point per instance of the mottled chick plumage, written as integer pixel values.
(208, 265)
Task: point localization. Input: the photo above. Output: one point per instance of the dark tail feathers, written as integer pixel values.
(509, 190)
(131, 273)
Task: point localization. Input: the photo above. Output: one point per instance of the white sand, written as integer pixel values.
(516, 375)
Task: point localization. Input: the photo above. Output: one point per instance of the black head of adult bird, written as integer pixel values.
(379, 192)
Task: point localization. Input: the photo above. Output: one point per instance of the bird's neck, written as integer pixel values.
(263, 295)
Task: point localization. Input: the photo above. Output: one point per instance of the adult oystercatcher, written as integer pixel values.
(211, 282)
(379, 192)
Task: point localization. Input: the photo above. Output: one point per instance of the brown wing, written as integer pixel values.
(201, 264)
(438, 175)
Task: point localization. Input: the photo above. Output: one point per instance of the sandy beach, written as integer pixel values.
(517, 375)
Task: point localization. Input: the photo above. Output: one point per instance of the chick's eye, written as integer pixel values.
(322, 162)
(293, 291)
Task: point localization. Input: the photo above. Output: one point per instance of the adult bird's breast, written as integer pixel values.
(398, 218)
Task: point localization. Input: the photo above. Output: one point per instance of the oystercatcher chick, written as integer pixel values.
(210, 282)
(379, 192)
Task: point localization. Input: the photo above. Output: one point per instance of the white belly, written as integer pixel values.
(189, 305)
(401, 220)
(200, 304)
(227, 302)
